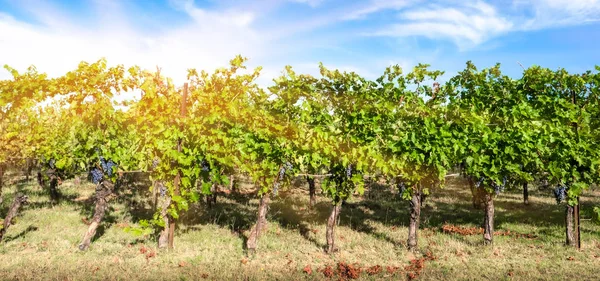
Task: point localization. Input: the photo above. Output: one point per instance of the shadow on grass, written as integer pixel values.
(380, 204)
(29, 229)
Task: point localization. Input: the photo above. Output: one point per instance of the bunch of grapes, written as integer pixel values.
(478, 184)
(284, 168)
(51, 163)
(107, 165)
(560, 193)
(275, 187)
(110, 164)
(281, 173)
(96, 175)
(349, 171)
(205, 166)
(401, 187)
(155, 163)
(162, 190)
(499, 187)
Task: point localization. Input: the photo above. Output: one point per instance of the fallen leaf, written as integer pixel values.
(150, 255)
(307, 269)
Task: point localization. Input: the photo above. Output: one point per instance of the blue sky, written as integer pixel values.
(362, 36)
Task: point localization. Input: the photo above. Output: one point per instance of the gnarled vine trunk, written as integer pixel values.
(488, 222)
(54, 194)
(569, 226)
(12, 213)
(525, 194)
(311, 191)
(414, 219)
(28, 168)
(331, 222)
(1, 181)
(260, 225)
(163, 238)
(212, 198)
(232, 183)
(40, 179)
(103, 192)
(478, 195)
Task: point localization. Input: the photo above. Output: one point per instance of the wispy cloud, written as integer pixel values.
(272, 33)
(208, 41)
(375, 6)
(556, 13)
(466, 25)
(312, 3)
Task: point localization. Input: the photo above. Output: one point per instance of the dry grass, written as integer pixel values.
(209, 243)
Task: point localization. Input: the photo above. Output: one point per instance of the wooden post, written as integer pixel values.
(576, 208)
(577, 225)
(172, 221)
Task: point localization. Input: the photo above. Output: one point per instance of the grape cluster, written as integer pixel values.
(275, 187)
(96, 175)
(281, 173)
(162, 190)
(560, 193)
(107, 166)
(155, 163)
(499, 187)
(401, 187)
(478, 183)
(285, 167)
(349, 171)
(51, 163)
(205, 166)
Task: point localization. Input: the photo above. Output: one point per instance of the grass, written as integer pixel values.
(209, 243)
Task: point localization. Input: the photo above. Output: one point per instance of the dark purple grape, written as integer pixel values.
(103, 164)
(560, 193)
(478, 183)
(401, 187)
(96, 175)
(163, 190)
(281, 173)
(205, 166)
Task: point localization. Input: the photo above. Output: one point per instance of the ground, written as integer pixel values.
(371, 236)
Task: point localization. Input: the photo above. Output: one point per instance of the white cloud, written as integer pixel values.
(553, 13)
(375, 6)
(54, 47)
(467, 25)
(312, 3)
